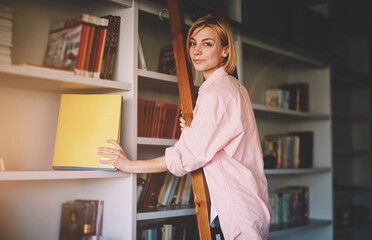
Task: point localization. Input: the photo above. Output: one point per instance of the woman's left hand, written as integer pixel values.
(117, 156)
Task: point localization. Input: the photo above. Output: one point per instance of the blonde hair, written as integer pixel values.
(223, 30)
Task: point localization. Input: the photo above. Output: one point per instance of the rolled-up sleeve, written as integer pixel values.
(210, 130)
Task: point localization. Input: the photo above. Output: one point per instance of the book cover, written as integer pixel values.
(141, 56)
(305, 148)
(73, 222)
(64, 43)
(274, 97)
(167, 63)
(85, 123)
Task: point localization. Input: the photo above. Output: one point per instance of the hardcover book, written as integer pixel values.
(85, 123)
(167, 63)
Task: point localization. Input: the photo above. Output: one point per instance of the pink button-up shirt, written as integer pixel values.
(223, 138)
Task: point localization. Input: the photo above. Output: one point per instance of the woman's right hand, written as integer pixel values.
(182, 123)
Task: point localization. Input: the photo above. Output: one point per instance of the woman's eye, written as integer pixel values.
(207, 44)
(192, 44)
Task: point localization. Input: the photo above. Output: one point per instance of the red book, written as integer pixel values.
(101, 48)
(161, 120)
(176, 127)
(83, 41)
(150, 118)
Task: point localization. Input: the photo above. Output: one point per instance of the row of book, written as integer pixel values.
(178, 230)
(291, 150)
(81, 219)
(85, 44)
(289, 204)
(6, 32)
(293, 96)
(163, 189)
(158, 120)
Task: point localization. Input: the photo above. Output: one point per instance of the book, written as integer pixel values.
(95, 213)
(185, 200)
(298, 96)
(74, 220)
(6, 34)
(289, 204)
(167, 63)
(85, 123)
(111, 45)
(273, 97)
(304, 148)
(80, 219)
(145, 183)
(64, 43)
(141, 55)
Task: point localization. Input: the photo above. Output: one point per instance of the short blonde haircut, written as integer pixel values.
(223, 30)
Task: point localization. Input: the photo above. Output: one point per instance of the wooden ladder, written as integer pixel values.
(187, 97)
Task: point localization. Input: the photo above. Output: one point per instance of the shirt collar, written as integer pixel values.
(217, 74)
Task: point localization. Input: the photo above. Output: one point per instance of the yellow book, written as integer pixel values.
(85, 123)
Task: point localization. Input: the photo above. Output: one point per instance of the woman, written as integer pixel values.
(222, 138)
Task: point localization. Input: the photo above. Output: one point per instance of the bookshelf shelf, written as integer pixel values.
(58, 175)
(124, 3)
(159, 82)
(283, 51)
(157, 76)
(156, 141)
(55, 81)
(298, 171)
(267, 111)
(283, 229)
(31, 118)
(166, 212)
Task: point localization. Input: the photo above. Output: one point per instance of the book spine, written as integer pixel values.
(107, 44)
(83, 42)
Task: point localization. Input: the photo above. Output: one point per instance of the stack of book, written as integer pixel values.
(81, 218)
(277, 98)
(292, 150)
(163, 189)
(85, 44)
(158, 120)
(6, 26)
(293, 96)
(289, 204)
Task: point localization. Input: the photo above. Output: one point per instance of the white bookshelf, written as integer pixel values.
(29, 103)
(22, 77)
(58, 175)
(254, 54)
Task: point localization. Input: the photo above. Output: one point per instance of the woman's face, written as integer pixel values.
(206, 51)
